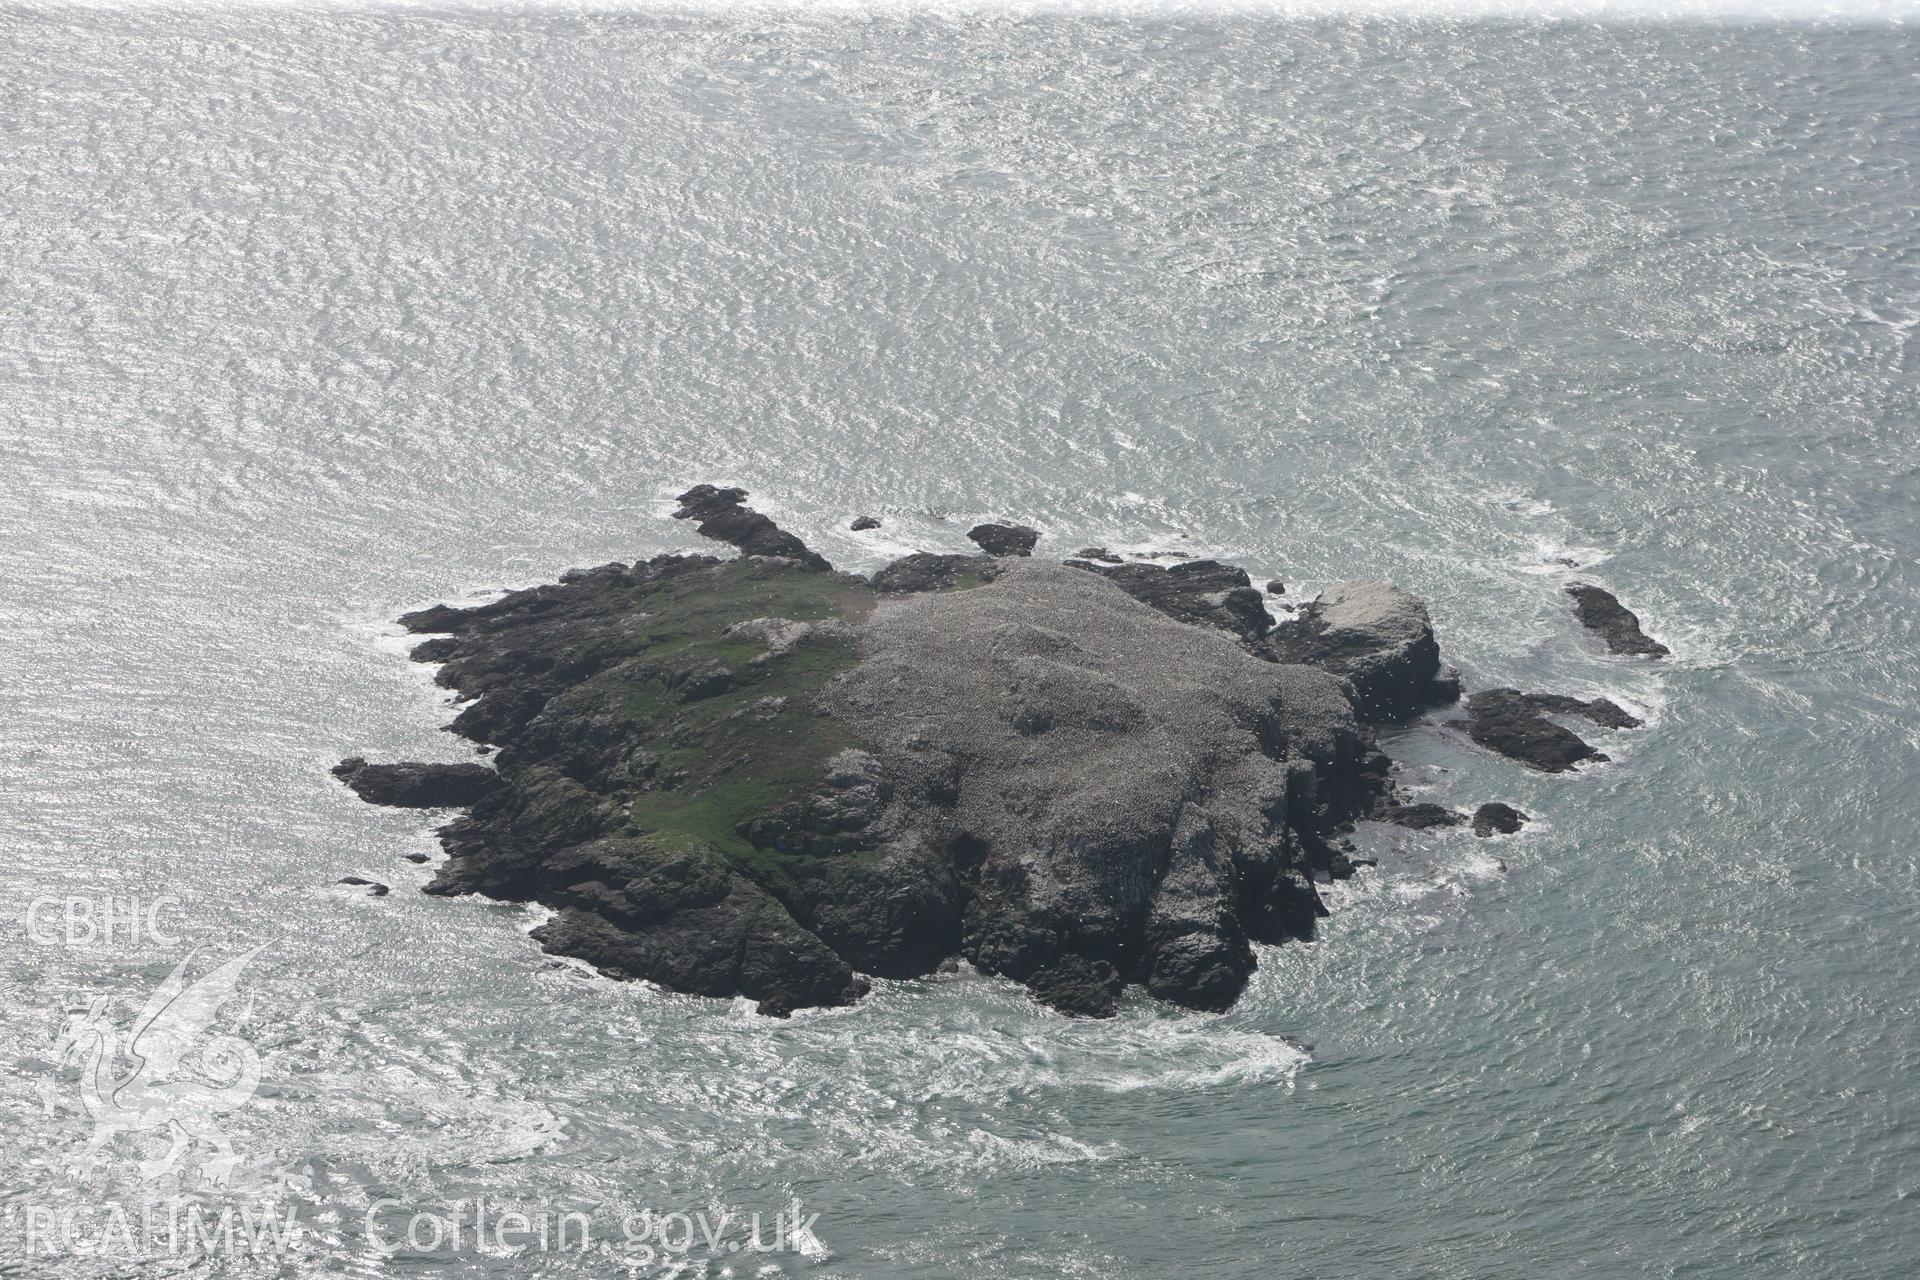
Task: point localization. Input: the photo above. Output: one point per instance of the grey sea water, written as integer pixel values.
(310, 317)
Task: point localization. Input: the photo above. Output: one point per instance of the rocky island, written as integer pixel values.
(761, 776)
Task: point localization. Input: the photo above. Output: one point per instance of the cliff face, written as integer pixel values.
(762, 777)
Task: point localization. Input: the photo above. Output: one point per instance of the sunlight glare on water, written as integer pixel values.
(315, 317)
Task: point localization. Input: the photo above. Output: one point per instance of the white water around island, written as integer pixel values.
(313, 317)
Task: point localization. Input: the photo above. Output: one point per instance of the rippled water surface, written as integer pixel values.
(306, 319)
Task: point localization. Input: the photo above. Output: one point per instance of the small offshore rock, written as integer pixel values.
(1101, 554)
(373, 887)
(1275, 587)
(1513, 724)
(1601, 613)
(417, 857)
(1494, 817)
(862, 523)
(1003, 539)
(418, 786)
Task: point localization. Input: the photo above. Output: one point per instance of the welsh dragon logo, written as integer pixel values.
(184, 1076)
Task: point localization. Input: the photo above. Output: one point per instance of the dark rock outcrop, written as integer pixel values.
(862, 523)
(927, 571)
(1495, 818)
(373, 887)
(418, 786)
(1101, 554)
(1380, 639)
(1419, 817)
(724, 517)
(1602, 614)
(1199, 591)
(1604, 712)
(715, 936)
(1515, 724)
(1275, 587)
(1003, 539)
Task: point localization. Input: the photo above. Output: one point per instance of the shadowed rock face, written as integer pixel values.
(1602, 614)
(1380, 639)
(761, 777)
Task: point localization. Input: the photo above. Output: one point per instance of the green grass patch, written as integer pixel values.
(735, 755)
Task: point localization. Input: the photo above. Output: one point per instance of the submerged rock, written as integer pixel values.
(1003, 539)
(1612, 621)
(1380, 639)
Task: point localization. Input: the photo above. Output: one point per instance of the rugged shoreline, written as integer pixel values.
(761, 776)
